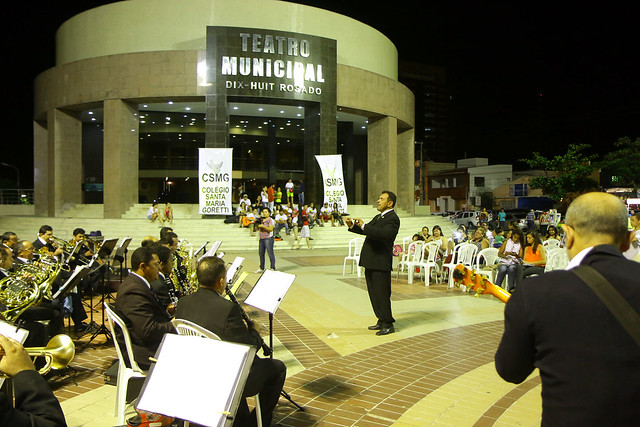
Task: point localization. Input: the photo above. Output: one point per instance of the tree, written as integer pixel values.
(565, 173)
(624, 162)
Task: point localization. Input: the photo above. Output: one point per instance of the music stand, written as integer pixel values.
(212, 251)
(80, 272)
(105, 253)
(121, 254)
(266, 295)
(234, 269)
(199, 361)
(202, 249)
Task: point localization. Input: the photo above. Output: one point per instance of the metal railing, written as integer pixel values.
(14, 196)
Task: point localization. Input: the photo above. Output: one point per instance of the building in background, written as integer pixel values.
(139, 86)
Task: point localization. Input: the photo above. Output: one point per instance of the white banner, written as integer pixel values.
(334, 192)
(214, 178)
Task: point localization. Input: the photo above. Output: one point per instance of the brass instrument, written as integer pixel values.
(62, 244)
(183, 274)
(28, 286)
(58, 352)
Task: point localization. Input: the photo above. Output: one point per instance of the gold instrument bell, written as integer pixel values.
(59, 352)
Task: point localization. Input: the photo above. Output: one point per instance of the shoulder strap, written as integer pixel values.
(612, 299)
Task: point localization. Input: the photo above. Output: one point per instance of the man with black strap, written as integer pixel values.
(588, 361)
(208, 308)
(377, 258)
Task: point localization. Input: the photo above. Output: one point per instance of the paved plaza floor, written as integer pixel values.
(436, 369)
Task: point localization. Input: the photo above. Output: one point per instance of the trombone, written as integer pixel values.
(58, 353)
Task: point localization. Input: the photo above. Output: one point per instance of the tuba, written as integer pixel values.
(28, 286)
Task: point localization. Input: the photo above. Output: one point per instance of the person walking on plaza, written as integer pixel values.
(265, 230)
(376, 257)
(561, 323)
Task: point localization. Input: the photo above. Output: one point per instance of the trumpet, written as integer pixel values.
(58, 352)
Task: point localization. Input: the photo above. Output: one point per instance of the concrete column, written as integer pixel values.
(121, 152)
(382, 147)
(57, 163)
(406, 170)
(40, 170)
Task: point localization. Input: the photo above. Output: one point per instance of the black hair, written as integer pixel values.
(44, 229)
(78, 231)
(163, 252)
(210, 270)
(141, 255)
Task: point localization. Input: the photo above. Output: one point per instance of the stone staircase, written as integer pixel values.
(196, 229)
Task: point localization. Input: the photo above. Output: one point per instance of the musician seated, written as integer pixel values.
(139, 307)
(207, 308)
(44, 242)
(35, 404)
(36, 316)
(6, 261)
(163, 285)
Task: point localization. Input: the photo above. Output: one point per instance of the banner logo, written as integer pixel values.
(215, 166)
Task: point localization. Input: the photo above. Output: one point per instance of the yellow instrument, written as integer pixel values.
(28, 286)
(58, 352)
(478, 283)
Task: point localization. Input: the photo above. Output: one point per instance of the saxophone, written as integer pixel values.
(183, 274)
(28, 286)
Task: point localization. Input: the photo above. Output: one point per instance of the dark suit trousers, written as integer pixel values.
(267, 377)
(379, 288)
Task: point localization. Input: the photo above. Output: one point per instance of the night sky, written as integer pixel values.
(524, 76)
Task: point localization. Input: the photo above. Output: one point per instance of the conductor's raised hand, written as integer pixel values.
(348, 221)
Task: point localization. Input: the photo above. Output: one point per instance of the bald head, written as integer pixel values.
(597, 218)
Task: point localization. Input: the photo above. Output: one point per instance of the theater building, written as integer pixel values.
(139, 86)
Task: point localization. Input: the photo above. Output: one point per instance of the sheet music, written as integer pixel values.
(210, 376)
(269, 290)
(212, 251)
(235, 265)
(78, 274)
(18, 334)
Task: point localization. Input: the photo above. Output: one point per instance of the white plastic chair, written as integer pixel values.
(487, 257)
(185, 327)
(467, 255)
(415, 253)
(355, 246)
(406, 241)
(557, 259)
(429, 261)
(449, 266)
(124, 373)
(551, 243)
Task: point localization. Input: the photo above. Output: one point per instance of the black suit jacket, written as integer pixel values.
(377, 250)
(589, 365)
(35, 403)
(146, 319)
(207, 308)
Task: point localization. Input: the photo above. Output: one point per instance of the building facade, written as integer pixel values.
(137, 89)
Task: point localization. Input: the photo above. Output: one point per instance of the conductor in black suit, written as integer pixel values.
(377, 257)
(206, 307)
(589, 364)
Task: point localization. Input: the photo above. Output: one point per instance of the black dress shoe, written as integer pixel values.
(375, 327)
(386, 331)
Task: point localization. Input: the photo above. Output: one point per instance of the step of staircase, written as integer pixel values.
(196, 229)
